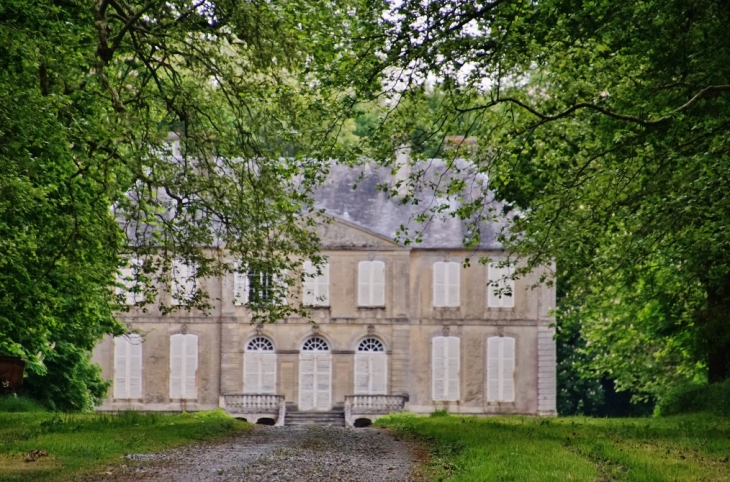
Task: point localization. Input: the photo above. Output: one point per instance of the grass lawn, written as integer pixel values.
(679, 448)
(81, 444)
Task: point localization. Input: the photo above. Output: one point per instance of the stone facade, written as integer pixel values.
(406, 325)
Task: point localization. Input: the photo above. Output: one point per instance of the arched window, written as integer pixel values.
(128, 366)
(183, 366)
(259, 367)
(260, 343)
(315, 375)
(371, 345)
(371, 368)
(316, 344)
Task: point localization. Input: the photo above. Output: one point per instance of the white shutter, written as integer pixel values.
(508, 299)
(494, 274)
(240, 288)
(183, 282)
(323, 286)
(362, 374)
(500, 369)
(316, 287)
(306, 381)
(120, 367)
(310, 284)
(134, 366)
(364, 277)
(191, 366)
(438, 364)
(251, 379)
(507, 372)
(323, 367)
(453, 286)
(176, 365)
(494, 347)
(439, 284)
(280, 288)
(500, 279)
(452, 362)
(378, 374)
(127, 279)
(378, 283)
(268, 373)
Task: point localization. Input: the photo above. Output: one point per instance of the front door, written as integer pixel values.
(315, 375)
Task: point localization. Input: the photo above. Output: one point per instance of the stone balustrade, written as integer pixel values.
(253, 407)
(372, 406)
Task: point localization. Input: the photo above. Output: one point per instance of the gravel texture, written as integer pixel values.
(278, 454)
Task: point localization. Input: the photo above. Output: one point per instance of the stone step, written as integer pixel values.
(334, 418)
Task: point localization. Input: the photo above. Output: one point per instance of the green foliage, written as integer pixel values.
(580, 449)
(577, 393)
(603, 128)
(79, 444)
(439, 413)
(12, 404)
(694, 398)
(90, 174)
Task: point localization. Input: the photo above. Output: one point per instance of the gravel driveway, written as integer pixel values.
(273, 454)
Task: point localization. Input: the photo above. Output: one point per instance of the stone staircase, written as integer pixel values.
(334, 418)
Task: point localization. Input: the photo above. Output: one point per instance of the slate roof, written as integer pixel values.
(373, 210)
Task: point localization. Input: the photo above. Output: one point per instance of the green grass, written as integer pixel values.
(81, 444)
(681, 448)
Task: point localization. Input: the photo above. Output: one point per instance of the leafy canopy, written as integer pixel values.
(90, 176)
(603, 126)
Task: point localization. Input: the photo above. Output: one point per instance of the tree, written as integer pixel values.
(603, 126)
(90, 176)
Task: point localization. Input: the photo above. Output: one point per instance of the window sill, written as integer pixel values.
(371, 308)
(447, 308)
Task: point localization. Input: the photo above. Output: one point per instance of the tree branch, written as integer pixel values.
(712, 89)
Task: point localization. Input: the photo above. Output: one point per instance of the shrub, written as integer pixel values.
(10, 403)
(693, 398)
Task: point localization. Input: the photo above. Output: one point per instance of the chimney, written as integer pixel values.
(403, 168)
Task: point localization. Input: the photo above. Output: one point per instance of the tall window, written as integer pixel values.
(183, 366)
(501, 287)
(128, 366)
(371, 368)
(316, 286)
(446, 284)
(315, 375)
(445, 362)
(258, 287)
(259, 367)
(501, 369)
(371, 283)
(127, 280)
(183, 281)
